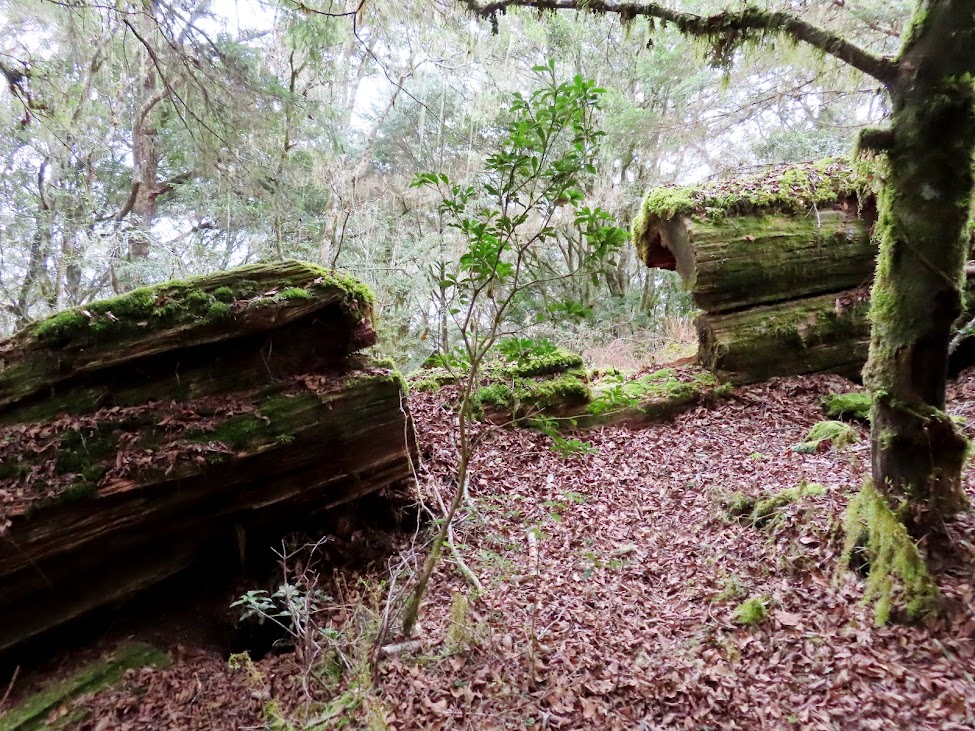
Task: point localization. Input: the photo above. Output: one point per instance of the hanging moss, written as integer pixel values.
(897, 581)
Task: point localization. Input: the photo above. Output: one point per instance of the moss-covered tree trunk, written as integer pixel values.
(923, 218)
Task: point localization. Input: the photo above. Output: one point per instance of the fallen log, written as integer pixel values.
(778, 264)
(138, 432)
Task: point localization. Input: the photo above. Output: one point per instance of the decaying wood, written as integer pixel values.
(128, 460)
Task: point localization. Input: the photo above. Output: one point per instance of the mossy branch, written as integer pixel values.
(725, 31)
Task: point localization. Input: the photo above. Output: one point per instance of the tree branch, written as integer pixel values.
(726, 31)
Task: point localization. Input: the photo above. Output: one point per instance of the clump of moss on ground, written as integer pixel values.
(763, 511)
(768, 509)
(56, 700)
(854, 406)
(897, 582)
(751, 612)
(827, 433)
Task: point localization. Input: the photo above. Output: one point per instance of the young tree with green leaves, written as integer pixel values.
(536, 175)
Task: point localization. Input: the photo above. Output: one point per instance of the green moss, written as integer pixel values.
(431, 379)
(897, 581)
(61, 326)
(533, 364)
(855, 406)
(78, 491)
(664, 385)
(793, 189)
(34, 713)
(527, 394)
(751, 612)
(179, 302)
(80, 451)
(737, 505)
(12, 469)
(768, 509)
(218, 311)
(835, 433)
(224, 294)
(294, 293)
(237, 432)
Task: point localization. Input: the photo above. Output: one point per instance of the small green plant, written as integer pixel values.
(567, 448)
(751, 612)
(537, 173)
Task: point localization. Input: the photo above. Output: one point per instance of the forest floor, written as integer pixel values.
(620, 612)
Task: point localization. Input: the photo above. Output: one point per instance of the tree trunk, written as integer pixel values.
(917, 452)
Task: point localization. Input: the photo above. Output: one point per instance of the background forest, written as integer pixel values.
(146, 142)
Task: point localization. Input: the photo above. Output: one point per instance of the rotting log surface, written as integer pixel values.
(748, 261)
(825, 334)
(126, 457)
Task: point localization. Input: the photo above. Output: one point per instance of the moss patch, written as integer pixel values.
(198, 300)
(898, 583)
(615, 392)
(854, 406)
(35, 711)
(767, 510)
(523, 395)
(751, 612)
(793, 188)
(825, 434)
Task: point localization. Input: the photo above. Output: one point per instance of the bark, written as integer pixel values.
(917, 452)
(826, 333)
(739, 262)
(158, 440)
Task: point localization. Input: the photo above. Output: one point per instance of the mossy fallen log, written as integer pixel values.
(771, 260)
(122, 466)
(829, 333)
(730, 264)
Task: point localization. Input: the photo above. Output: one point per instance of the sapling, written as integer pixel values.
(531, 185)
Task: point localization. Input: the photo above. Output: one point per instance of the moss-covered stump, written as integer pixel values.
(766, 258)
(52, 709)
(134, 460)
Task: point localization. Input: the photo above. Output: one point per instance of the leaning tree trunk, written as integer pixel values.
(923, 215)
